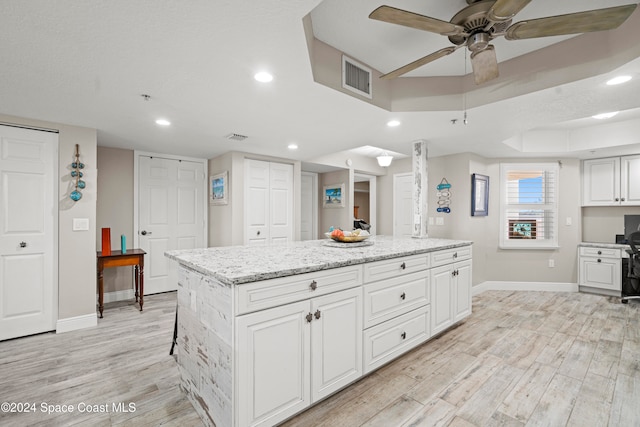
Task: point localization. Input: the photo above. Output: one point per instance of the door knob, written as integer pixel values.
(23, 244)
(145, 232)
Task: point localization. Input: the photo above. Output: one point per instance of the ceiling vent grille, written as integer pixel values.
(236, 137)
(356, 77)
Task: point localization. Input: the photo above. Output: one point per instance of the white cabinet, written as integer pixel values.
(600, 268)
(450, 294)
(612, 181)
(296, 354)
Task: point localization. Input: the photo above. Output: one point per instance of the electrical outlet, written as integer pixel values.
(439, 220)
(568, 221)
(430, 220)
(552, 263)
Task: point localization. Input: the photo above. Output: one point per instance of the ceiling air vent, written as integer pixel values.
(356, 77)
(236, 137)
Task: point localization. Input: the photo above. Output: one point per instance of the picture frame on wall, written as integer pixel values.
(219, 189)
(333, 196)
(479, 195)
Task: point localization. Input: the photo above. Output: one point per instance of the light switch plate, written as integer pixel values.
(80, 224)
(439, 220)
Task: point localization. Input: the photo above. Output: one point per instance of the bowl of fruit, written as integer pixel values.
(348, 236)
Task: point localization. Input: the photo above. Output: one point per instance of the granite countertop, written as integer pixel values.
(604, 245)
(234, 265)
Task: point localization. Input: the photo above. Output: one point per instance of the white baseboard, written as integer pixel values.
(75, 323)
(523, 286)
(118, 295)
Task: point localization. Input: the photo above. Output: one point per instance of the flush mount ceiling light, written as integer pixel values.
(605, 115)
(163, 122)
(263, 77)
(618, 80)
(393, 123)
(384, 160)
(292, 146)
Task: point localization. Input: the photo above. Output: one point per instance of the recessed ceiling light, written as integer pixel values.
(618, 80)
(163, 122)
(393, 123)
(292, 146)
(605, 115)
(263, 77)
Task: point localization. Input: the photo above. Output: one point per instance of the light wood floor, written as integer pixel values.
(522, 358)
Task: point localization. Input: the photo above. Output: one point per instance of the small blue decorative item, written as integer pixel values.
(75, 173)
(123, 244)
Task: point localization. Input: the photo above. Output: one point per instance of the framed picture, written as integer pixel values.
(333, 196)
(219, 189)
(479, 195)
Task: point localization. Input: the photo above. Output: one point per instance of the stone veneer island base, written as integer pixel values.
(266, 332)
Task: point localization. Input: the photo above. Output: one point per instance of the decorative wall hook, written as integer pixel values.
(76, 173)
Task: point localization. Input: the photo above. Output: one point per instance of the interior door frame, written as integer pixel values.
(205, 194)
(373, 202)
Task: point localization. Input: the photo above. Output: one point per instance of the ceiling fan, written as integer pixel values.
(484, 20)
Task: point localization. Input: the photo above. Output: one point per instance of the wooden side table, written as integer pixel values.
(134, 257)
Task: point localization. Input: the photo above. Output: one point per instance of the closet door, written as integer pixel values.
(28, 231)
(268, 202)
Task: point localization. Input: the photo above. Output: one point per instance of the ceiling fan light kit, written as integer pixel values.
(484, 20)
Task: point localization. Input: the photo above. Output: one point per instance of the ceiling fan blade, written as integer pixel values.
(573, 23)
(484, 64)
(503, 10)
(414, 20)
(420, 62)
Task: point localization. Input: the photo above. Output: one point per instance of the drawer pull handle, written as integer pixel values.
(455, 255)
(317, 314)
(309, 317)
(403, 296)
(313, 285)
(403, 335)
(617, 200)
(403, 266)
(23, 244)
(599, 252)
(599, 260)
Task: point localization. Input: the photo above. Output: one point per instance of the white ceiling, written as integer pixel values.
(87, 63)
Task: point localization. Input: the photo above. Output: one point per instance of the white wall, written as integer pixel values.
(602, 223)
(341, 217)
(76, 250)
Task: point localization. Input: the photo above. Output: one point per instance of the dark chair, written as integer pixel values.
(631, 286)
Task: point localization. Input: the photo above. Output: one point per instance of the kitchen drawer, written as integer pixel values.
(274, 292)
(386, 341)
(450, 255)
(600, 252)
(386, 299)
(394, 267)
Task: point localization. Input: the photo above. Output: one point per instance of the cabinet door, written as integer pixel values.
(441, 303)
(273, 369)
(630, 180)
(601, 273)
(336, 341)
(601, 182)
(462, 289)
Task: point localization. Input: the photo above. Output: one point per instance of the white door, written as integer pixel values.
(268, 202)
(256, 181)
(273, 364)
(402, 205)
(309, 206)
(336, 341)
(28, 231)
(170, 216)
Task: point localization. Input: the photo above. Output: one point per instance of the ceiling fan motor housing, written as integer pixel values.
(474, 20)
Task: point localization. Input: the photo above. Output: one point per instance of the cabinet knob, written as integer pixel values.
(317, 314)
(599, 252)
(403, 296)
(617, 199)
(258, 233)
(309, 317)
(403, 266)
(455, 255)
(599, 260)
(23, 244)
(313, 285)
(622, 199)
(403, 335)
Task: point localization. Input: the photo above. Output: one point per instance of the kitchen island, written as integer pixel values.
(266, 332)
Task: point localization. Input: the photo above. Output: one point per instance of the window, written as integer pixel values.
(528, 205)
